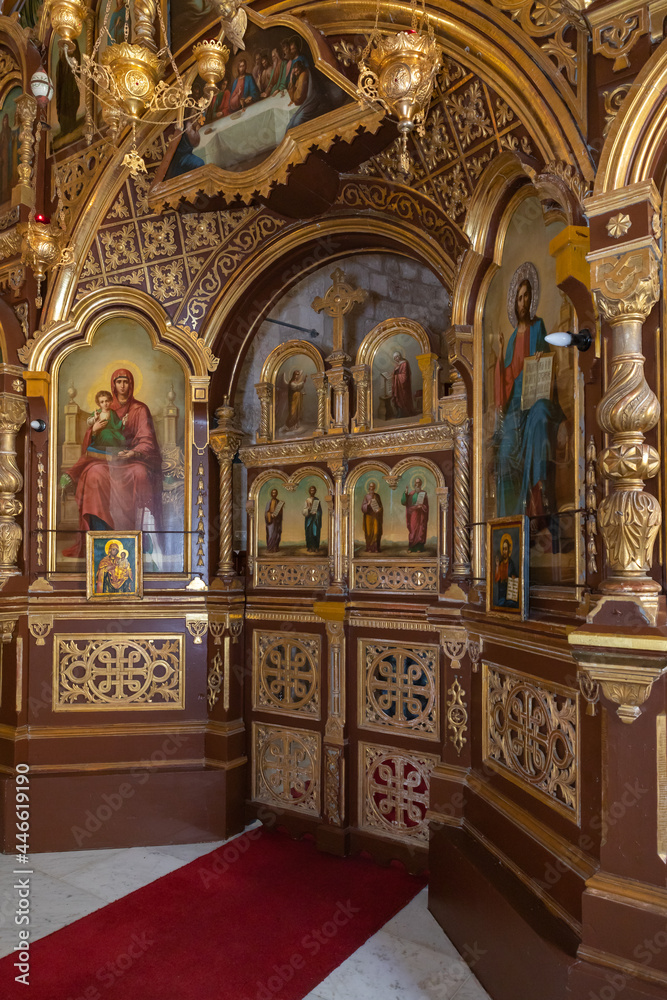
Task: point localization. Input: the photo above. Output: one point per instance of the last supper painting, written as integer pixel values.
(270, 87)
(120, 449)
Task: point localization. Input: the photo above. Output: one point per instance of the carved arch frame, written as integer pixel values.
(391, 475)
(63, 339)
(504, 186)
(372, 343)
(270, 369)
(291, 481)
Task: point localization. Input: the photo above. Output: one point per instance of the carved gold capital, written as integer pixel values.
(40, 626)
(614, 37)
(626, 285)
(625, 666)
(454, 642)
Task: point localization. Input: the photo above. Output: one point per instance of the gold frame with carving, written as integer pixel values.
(92, 570)
(66, 338)
(501, 525)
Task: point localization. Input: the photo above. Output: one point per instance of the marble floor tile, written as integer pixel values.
(386, 968)
(53, 904)
(189, 852)
(62, 864)
(415, 923)
(112, 878)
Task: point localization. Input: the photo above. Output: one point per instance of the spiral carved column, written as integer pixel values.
(456, 415)
(144, 23)
(322, 387)
(225, 442)
(264, 392)
(628, 518)
(12, 418)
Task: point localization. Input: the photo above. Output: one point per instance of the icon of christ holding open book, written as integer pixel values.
(527, 416)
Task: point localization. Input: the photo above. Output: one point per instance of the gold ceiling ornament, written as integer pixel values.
(398, 71)
(127, 77)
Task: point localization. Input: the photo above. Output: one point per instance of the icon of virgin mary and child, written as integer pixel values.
(118, 476)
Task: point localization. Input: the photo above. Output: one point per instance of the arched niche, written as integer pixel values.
(120, 453)
(288, 392)
(291, 528)
(397, 369)
(398, 526)
(528, 441)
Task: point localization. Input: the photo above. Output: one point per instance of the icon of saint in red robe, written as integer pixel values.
(415, 502)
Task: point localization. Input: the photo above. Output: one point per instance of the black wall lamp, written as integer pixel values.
(582, 340)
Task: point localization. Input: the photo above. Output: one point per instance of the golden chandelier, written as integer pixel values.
(126, 77)
(398, 71)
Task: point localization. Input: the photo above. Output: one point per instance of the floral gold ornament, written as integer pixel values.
(398, 71)
(619, 225)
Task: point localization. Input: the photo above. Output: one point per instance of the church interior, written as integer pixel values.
(331, 476)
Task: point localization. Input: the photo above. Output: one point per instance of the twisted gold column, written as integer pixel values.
(225, 441)
(144, 23)
(12, 417)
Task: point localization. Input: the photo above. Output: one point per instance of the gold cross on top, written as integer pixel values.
(336, 302)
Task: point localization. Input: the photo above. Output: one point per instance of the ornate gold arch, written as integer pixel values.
(284, 351)
(84, 318)
(420, 246)
(474, 33)
(639, 131)
(491, 44)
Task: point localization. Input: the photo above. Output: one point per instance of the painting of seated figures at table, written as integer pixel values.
(400, 522)
(294, 522)
(295, 398)
(9, 147)
(397, 383)
(120, 451)
(269, 88)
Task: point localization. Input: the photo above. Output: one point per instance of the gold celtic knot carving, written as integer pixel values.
(457, 715)
(394, 791)
(401, 687)
(396, 577)
(286, 765)
(287, 673)
(120, 673)
(531, 734)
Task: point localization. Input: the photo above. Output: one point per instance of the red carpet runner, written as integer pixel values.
(262, 918)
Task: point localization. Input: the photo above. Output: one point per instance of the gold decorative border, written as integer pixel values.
(121, 706)
(390, 728)
(312, 708)
(547, 688)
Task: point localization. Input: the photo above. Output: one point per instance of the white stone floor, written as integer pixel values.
(409, 959)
